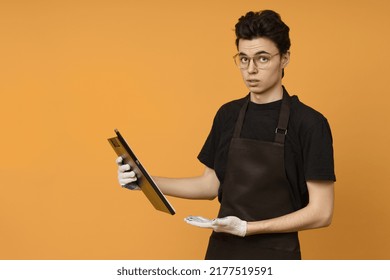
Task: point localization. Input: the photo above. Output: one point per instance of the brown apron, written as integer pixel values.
(256, 188)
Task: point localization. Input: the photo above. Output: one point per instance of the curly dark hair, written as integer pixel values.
(267, 24)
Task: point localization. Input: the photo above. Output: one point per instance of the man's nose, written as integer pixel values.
(252, 68)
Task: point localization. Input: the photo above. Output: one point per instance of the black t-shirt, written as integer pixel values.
(308, 146)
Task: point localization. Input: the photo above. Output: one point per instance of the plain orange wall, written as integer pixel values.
(72, 71)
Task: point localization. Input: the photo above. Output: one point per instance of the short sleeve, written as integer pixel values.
(209, 149)
(318, 152)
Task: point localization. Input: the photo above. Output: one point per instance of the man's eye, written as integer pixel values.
(244, 59)
(262, 59)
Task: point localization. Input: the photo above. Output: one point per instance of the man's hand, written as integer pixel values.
(125, 176)
(230, 224)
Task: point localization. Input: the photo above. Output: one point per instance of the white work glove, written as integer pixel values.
(125, 175)
(230, 224)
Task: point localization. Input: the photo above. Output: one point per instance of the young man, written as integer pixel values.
(268, 157)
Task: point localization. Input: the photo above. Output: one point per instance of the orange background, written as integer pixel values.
(72, 71)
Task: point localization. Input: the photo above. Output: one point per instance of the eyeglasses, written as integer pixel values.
(261, 61)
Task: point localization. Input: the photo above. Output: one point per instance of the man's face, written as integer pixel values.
(261, 65)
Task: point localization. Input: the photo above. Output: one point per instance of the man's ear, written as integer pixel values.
(285, 59)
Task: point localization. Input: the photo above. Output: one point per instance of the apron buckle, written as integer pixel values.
(281, 131)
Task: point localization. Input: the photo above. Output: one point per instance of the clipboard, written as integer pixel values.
(144, 180)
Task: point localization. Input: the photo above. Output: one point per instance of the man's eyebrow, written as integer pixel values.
(260, 52)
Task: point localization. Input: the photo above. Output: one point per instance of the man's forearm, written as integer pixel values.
(300, 220)
(190, 188)
(201, 187)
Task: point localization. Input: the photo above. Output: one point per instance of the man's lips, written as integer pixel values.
(252, 81)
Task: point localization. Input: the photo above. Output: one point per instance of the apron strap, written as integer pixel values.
(241, 117)
(284, 115)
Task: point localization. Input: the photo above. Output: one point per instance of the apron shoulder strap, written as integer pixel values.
(284, 115)
(240, 120)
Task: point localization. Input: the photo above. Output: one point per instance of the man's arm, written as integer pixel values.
(204, 186)
(318, 213)
(201, 187)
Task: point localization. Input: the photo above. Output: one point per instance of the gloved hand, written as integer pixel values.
(125, 175)
(230, 224)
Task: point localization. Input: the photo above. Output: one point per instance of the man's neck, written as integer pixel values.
(267, 97)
